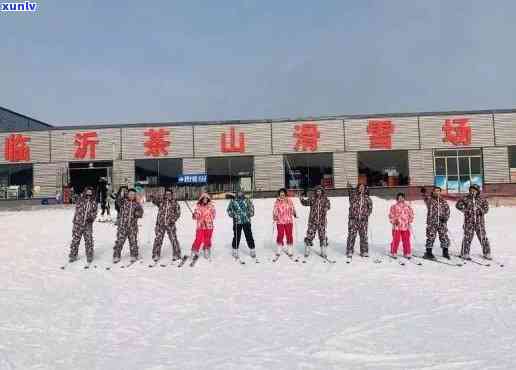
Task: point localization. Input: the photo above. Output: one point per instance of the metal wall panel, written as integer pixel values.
(505, 129)
(180, 138)
(192, 166)
(331, 137)
(496, 165)
(432, 135)
(421, 167)
(345, 169)
(39, 146)
(257, 139)
(108, 148)
(49, 178)
(405, 134)
(269, 172)
(123, 173)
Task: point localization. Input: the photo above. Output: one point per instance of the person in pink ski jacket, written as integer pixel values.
(283, 215)
(401, 217)
(204, 214)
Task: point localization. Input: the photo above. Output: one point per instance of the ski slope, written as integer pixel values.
(222, 315)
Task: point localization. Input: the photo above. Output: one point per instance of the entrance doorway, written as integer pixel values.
(84, 174)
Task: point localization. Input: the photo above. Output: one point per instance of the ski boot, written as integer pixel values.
(307, 251)
(446, 254)
(364, 254)
(488, 257)
(116, 259)
(323, 251)
(134, 259)
(207, 253)
(465, 256)
(89, 259)
(428, 254)
(72, 259)
(290, 251)
(234, 253)
(252, 252)
(155, 258)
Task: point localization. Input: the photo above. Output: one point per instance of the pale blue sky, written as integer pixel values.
(148, 61)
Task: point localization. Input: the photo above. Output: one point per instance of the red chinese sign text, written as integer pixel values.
(157, 143)
(380, 134)
(232, 146)
(16, 148)
(307, 137)
(85, 143)
(457, 131)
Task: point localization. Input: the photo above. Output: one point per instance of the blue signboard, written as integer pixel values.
(193, 179)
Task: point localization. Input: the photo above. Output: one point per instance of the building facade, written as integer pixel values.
(451, 149)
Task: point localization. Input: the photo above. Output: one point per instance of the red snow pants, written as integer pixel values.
(285, 229)
(202, 237)
(404, 237)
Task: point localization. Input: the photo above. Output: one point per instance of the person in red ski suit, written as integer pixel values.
(283, 215)
(204, 214)
(401, 217)
(85, 214)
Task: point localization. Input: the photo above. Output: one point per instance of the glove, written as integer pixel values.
(90, 220)
(442, 220)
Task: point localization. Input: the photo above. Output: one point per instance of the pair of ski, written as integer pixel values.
(163, 264)
(242, 262)
(305, 259)
(86, 266)
(404, 260)
(482, 262)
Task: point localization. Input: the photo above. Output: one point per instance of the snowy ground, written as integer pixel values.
(222, 315)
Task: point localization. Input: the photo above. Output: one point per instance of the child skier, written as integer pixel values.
(169, 212)
(85, 214)
(474, 209)
(401, 217)
(282, 214)
(319, 205)
(241, 210)
(129, 213)
(436, 221)
(204, 214)
(360, 208)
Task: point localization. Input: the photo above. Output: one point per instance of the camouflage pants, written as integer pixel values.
(431, 233)
(78, 232)
(357, 226)
(172, 236)
(469, 231)
(313, 228)
(122, 234)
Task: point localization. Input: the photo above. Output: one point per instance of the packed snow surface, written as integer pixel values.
(223, 315)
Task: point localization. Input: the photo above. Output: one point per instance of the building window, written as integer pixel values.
(383, 168)
(157, 172)
(304, 171)
(16, 181)
(456, 170)
(230, 173)
(512, 162)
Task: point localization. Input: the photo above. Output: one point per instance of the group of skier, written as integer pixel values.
(241, 211)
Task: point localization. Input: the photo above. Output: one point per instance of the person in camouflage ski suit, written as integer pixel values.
(85, 214)
(129, 213)
(241, 210)
(169, 212)
(319, 205)
(360, 208)
(474, 208)
(436, 221)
